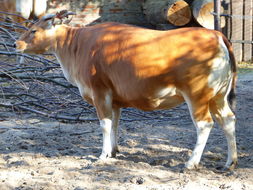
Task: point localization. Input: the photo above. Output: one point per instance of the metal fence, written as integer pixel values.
(239, 26)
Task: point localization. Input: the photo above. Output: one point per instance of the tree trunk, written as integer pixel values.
(175, 12)
(202, 10)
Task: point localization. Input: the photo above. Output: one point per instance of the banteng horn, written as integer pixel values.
(64, 14)
(48, 17)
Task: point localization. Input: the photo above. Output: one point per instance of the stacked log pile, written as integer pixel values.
(167, 14)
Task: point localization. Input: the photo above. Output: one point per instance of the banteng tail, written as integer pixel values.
(231, 95)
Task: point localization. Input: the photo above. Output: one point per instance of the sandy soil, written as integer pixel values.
(45, 154)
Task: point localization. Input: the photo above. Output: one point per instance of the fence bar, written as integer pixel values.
(241, 41)
(217, 5)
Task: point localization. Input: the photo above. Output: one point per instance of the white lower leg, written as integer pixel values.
(229, 129)
(108, 139)
(203, 130)
(227, 120)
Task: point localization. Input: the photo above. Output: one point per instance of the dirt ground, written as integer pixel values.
(46, 154)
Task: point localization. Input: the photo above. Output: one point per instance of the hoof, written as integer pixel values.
(227, 168)
(189, 170)
(231, 166)
(224, 170)
(105, 156)
(189, 166)
(116, 150)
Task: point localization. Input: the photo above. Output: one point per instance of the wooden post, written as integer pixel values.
(217, 15)
(237, 28)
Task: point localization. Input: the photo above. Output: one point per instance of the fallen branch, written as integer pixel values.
(54, 116)
(13, 14)
(40, 78)
(8, 33)
(33, 58)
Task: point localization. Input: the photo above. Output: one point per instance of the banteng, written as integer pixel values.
(117, 65)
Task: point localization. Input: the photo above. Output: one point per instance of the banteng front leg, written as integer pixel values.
(114, 135)
(108, 118)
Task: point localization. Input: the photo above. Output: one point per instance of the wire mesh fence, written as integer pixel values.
(239, 27)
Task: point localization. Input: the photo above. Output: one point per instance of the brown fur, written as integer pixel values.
(120, 65)
(134, 63)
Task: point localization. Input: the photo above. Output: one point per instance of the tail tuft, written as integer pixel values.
(232, 99)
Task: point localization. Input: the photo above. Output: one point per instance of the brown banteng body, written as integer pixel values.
(116, 65)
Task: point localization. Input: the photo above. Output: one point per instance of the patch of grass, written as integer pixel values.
(245, 67)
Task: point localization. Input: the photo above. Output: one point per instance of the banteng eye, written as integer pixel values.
(33, 31)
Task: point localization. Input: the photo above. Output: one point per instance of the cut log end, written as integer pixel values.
(175, 12)
(202, 13)
(179, 13)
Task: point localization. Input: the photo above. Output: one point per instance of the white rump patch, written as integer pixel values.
(221, 69)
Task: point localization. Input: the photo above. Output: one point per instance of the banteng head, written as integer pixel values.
(41, 36)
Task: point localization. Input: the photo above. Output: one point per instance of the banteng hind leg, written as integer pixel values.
(225, 117)
(203, 122)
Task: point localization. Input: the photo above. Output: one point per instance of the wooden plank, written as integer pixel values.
(237, 28)
(217, 5)
(247, 48)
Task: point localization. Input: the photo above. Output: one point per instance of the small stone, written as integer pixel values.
(137, 180)
(50, 173)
